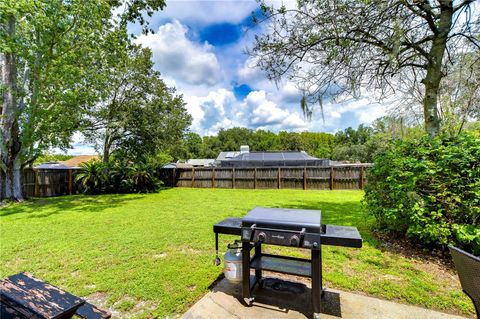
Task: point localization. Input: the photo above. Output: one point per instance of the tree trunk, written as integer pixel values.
(11, 173)
(434, 70)
(430, 109)
(106, 146)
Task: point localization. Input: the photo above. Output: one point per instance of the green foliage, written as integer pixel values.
(53, 52)
(137, 115)
(428, 190)
(356, 145)
(92, 176)
(119, 176)
(193, 146)
(352, 153)
(320, 145)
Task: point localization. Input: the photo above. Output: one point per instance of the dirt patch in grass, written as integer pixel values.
(439, 271)
(190, 250)
(125, 307)
(409, 250)
(100, 300)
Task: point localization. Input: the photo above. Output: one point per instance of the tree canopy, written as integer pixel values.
(49, 57)
(344, 47)
(137, 114)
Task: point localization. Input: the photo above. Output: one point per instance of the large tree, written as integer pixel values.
(137, 114)
(341, 47)
(49, 53)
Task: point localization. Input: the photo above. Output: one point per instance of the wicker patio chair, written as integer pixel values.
(468, 268)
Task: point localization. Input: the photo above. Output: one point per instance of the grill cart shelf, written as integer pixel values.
(285, 227)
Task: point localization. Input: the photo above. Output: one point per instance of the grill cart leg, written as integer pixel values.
(246, 270)
(316, 282)
(258, 252)
(217, 260)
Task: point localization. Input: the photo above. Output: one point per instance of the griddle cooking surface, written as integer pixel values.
(282, 218)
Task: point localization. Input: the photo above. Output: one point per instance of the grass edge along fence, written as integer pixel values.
(58, 182)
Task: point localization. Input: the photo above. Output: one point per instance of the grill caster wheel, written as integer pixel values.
(316, 316)
(249, 301)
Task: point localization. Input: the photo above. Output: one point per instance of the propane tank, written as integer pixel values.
(232, 262)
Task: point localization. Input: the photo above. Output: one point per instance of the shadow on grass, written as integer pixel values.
(44, 207)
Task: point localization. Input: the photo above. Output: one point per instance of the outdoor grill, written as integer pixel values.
(298, 228)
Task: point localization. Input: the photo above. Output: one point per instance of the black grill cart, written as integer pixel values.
(296, 228)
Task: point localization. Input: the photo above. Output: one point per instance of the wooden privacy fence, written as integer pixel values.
(333, 177)
(57, 182)
(49, 182)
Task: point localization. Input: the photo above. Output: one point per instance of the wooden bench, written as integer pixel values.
(24, 296)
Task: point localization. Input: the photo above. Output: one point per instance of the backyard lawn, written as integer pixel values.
(152, 255)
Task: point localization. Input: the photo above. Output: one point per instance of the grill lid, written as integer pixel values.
(284, 219)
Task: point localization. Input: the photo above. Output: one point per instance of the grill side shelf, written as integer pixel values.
(229, 226)
(341, 236)
(283, 264)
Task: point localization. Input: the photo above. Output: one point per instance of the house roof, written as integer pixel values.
(183, 165)
(52, 165)
(78, 160)
(274, 156)
(201, 161)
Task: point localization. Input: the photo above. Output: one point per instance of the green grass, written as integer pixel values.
(151, 255)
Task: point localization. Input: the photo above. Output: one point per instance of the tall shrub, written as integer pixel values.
(92, 176)
(119, 177)
(428, 190)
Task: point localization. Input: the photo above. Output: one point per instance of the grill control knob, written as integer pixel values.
(294, 240)
(261, 237)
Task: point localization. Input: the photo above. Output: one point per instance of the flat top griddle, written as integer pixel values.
(284, 227)
(284, 219)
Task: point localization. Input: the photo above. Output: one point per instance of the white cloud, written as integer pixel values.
(179, 58)
(212, 112)
(219, 109)
(266, 114)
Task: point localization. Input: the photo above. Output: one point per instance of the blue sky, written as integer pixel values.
(199, 47)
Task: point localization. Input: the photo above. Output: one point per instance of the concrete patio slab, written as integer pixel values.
(277, 300)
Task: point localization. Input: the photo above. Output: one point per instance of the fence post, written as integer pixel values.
(193, 177)
(174, 177)
(36, 192)
(331, 178)
(70, 184)
(361, 178)
(233, 177)
(304, 178)
(213, 178)
(279, 178)
(255, 178)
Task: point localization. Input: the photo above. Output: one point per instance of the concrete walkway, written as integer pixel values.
(278, 300)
